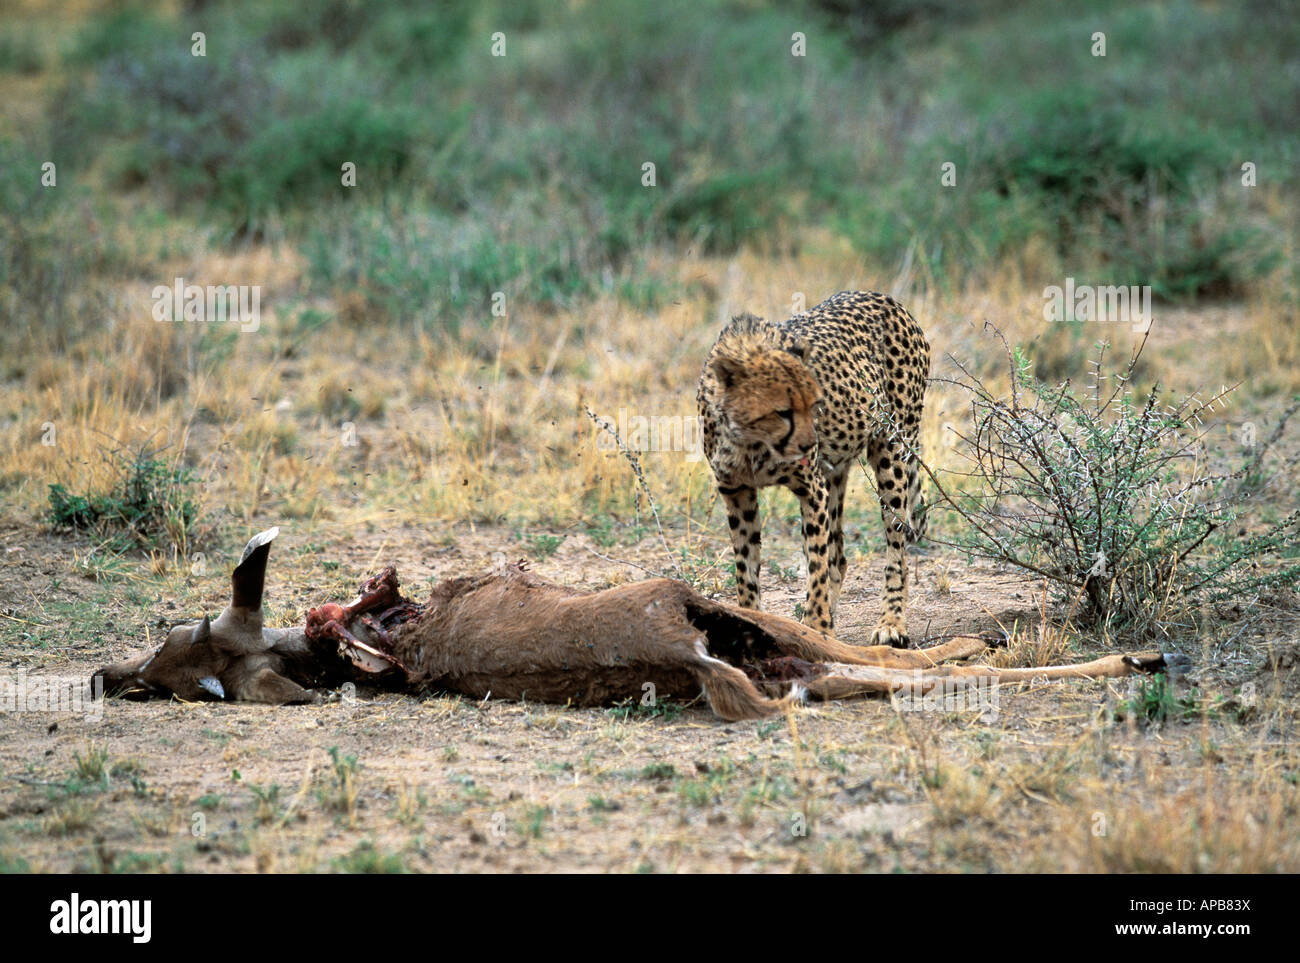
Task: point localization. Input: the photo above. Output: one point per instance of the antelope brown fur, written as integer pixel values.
(513, 635)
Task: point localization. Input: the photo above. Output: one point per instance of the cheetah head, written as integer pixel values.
(767, 394)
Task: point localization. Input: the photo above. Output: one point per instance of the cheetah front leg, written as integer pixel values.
(818, 611)
(836, 483)
(890, 462)
(746, 541)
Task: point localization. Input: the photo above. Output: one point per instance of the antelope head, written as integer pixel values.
(232, 657)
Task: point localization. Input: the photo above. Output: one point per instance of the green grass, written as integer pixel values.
(657, 771)
(1157, 701)
(339, 793)
(541, 544)
(534, 821)
(365, 858)
(150, 503)
(93, 766)
(708, 784)
(662, 709)
(11, 865)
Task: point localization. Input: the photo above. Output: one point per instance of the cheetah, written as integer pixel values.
(794, 404)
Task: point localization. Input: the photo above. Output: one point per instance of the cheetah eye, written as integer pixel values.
(786, 414)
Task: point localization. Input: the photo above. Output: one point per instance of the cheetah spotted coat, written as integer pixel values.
(795, 404)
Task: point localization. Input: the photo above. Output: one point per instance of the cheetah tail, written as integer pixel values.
(916, 525)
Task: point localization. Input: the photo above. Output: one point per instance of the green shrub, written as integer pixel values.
(245, 133)
(871, 23)
(365, 858)
(1121, 171)
(21, 52)
(300, 160)
(308, 22)
(422, 40)
(126, 31)
(150, 503)
(1100, 492)
(1121, 196)
(178, 121)
(1084, 149)
(1122, 189)
(725, 211)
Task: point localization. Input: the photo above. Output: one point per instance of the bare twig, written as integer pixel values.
(635, 462)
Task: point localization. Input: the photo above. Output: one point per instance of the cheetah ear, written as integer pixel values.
(727, 370)
(799, 349)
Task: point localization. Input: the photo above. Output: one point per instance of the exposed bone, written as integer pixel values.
(331, 621)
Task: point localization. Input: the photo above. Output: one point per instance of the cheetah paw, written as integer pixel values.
(890, 635)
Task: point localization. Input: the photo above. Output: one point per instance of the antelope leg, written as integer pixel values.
(842, 681)
(795, 639)
(1107, 667)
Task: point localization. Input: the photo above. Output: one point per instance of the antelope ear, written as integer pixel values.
(727, 370)
(202, 631)
(247, 580)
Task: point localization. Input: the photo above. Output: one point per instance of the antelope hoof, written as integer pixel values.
(1175, 663)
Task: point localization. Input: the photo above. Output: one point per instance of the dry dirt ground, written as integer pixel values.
(1050, 777)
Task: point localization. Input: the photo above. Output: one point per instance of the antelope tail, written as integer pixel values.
(734, 697)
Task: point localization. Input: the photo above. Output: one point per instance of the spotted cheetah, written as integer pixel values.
(794, 404)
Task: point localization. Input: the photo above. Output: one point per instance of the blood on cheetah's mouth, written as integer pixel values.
(802, 461)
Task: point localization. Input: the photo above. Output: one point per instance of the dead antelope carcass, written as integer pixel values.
(513, 635)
